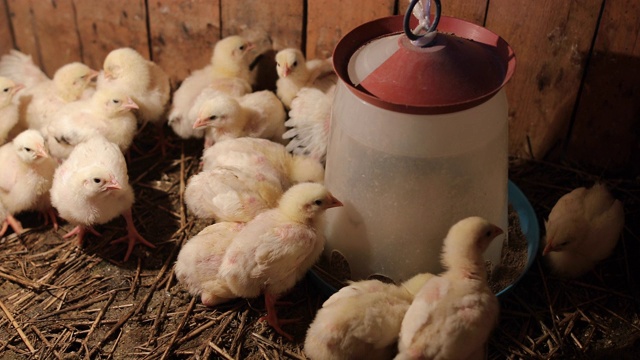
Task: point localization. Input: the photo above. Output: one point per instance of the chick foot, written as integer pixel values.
(272, 317)
(14, 223)
(132, 237)
(80, 231)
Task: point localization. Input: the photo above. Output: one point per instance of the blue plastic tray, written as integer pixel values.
(528, 224)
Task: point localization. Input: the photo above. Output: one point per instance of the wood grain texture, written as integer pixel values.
(6, 39)
(329, 20)
(107, 25)
(183, 34)
(551, 40)
(46, 31)
(281, 19)
(471, 10)
(606, 131)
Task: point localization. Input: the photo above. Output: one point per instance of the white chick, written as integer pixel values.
(200, 258)
(108, 113)
(259, 114)
(261, 156)
(183, 126)
(231, 58)
(20, 68)
(583, 229)
(47, 97)
(361, 320)
(452, 315)
(26, 176)
(148, 85)
(294, 73)
(92, 187)
(275, 249)
(309, 123)
(230, 194)
(9, 114)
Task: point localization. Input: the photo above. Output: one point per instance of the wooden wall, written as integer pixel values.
(575, 90)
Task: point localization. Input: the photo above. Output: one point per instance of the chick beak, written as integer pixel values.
(250, 46)
(130, 104)
(200, 122)
(112, 184)
(41, 152)
(17, 88)
(92, 75)
(333, 202)
(497, 230)
(548, 248)
(286, 71)
(108, 75)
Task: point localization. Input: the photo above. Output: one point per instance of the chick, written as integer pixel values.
(9, 115)
(26, 176)
(92, 187)
(200, 258)
(183, 126)
(361, 320)
(231, 59)
(309, 123)
(261, 156)
(583, 229)
(148, 85)
(47, 97)
(275, 249)
(108, 113)
(452, 315)
(20, 68)
(294, 73)
(227, 193)
(259, 114)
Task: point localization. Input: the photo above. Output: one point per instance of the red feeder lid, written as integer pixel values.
(464, 66)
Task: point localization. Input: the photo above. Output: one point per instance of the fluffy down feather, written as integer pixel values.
(9, 115)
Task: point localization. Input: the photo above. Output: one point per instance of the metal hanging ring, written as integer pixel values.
(407, 18)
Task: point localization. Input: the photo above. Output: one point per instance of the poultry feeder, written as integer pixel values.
(418, 140)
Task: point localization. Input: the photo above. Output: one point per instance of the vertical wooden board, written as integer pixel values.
(183, 34)
(329, 20)
(6, 39)
(282, 20)
(107, 25)
(606, 131)
(471, 10)
(551, 39)
(46, 31)
(22, 21)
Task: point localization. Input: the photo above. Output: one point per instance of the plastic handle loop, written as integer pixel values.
(426, 38)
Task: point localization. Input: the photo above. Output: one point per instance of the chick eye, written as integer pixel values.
(27, 149)
(6, 89)
(213, 117)
(278, 64)
(295, 63)
(563, 243)
(242, 47)
(318, 202)
(116, 101)
(488, 233)
(97, 180)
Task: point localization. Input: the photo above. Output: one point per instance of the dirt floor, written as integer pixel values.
(58, 301)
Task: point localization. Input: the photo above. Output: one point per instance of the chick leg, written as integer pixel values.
(14, 223)
(272, 316)
(80, 231)
(132, 237)
(50, 215)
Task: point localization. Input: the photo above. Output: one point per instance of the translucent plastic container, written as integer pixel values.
(405, 176)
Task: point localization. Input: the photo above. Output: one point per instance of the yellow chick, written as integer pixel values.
(295, 73)
(583, 229)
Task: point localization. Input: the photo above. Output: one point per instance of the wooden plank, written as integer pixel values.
(550, 39)
(605, 132)
(329, 20)
(281, 19)
(183, 34)
(107, 25)
(470, 10)
(6, 39)
(46, 31)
